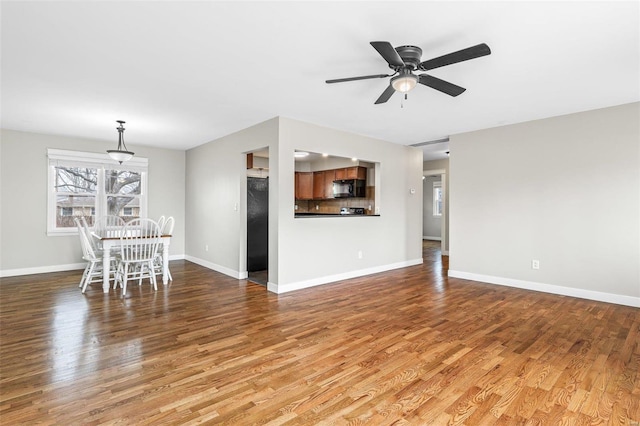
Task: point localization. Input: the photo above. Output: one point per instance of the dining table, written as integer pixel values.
(109, 242)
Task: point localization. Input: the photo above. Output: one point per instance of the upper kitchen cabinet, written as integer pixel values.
(329, 177)
(319, 192)
(304, 186)
(323, 184)
(355, 172)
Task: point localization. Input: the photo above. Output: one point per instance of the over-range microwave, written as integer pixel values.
(349, 188)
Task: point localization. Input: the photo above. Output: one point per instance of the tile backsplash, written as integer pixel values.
(334, 205)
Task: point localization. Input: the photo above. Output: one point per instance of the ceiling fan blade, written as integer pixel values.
(385, 95)
(364, 77)
(386, 50)
(441, 85)
(455, 57)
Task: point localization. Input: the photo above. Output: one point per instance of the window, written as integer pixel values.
(93, 185)
(437, 198)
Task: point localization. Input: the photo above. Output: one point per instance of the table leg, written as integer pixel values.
(106, 263)
(165, 262)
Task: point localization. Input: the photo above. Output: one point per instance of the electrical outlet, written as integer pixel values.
(317, 207)
(206, 247)
(359, 254)
(535, 264)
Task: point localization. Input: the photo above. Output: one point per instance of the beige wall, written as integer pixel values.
(216, 199)
(24, 244)
(309, 251)
(317, 250)
(564, 191)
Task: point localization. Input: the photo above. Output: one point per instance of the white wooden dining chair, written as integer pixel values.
(94, 242)
(161, 221)
(93, 270)
(167, 229)
(108, 226)
(139, 243)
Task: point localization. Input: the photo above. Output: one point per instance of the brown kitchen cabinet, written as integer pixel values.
(323, 184)
(304, 185)
(319, 185)
(329, 177)
(355, 172)
(319, 191)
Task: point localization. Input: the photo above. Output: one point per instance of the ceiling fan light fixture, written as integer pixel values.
(404, 82)
(121, 153)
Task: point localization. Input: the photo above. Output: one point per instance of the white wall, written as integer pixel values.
(565, 191)
(309, 251)
(216, 199)
(313, 251)
(25, 247)
(431, 225)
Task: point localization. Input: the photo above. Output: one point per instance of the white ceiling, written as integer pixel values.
(184, 73)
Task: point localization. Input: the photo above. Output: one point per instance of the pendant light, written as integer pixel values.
(121, 154)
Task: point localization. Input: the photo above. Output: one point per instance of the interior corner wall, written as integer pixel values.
(216, 199)
(25, 247)
(564, 191)
(318, 250)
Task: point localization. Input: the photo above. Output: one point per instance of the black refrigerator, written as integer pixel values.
(257, 224)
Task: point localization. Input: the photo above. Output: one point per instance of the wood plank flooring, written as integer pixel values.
(405, 347)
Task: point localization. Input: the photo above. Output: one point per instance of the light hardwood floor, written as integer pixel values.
(409, 346)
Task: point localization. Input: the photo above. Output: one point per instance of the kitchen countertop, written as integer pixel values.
(334, 215)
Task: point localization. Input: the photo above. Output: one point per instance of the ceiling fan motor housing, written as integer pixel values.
(411, 56)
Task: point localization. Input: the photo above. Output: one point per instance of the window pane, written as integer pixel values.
(122, 182)
(127, 207)
(68, 206)
(76, 180)
(437, 199)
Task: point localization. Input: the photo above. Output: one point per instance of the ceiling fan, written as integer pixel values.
(405, 60)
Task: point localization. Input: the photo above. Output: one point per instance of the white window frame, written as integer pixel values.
(101, 162)
(437, 188)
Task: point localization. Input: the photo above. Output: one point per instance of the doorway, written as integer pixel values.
(257, 229)
(258, 218)
(428, 212)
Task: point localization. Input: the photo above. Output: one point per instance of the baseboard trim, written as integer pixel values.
(41, 269)
(617, 299)
(299, 285)
(426, 237)
(56, 268)
(218, 268)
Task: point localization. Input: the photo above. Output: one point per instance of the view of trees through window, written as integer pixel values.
(84, 191)
(437, 198)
